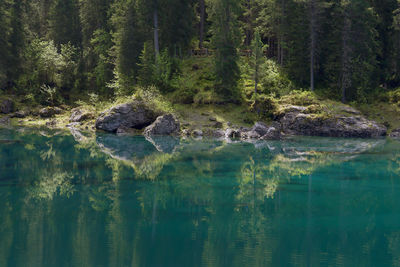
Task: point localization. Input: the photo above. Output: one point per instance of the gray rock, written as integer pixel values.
(212, 119)
(164, 125)
(250, 135)
(131, 115)
(196, 133)
(73, 125)
(79, 115)
(47, 112)
(218, 133)
(6, 106)
(395, 133)
(271, 134)
(58, 110)
(51, 123)
(260, 127)
(5, 121)
(298, 123)
(218, 124)
(185, 132)
(20, 114)
(232, 133)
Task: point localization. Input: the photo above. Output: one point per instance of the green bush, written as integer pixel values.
(300, 98)
(152, 97)
(394, 96)
(206, 97)
(264, 105)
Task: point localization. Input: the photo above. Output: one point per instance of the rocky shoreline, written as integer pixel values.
(135, 117)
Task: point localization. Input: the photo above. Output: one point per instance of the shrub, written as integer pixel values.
(394, 97)
(264, 105)
(206, 97)
(153, 99)
(300, 98)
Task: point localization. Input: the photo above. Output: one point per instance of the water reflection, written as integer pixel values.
(82, 200)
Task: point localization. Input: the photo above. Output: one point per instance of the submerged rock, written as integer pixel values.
(131, 115)
(163, 125)
(297, 123)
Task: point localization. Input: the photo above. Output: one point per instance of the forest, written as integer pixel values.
(62, 51)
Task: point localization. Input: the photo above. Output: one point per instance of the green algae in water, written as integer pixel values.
(76, 200)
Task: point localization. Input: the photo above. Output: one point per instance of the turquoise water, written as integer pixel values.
(80, 200)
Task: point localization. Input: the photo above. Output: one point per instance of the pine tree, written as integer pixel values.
(257, 47)
(64, 23)
(128, 42)
(226, 40)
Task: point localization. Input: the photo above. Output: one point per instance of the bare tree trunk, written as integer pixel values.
(156, 44)
(313, 34)
(346, 55)
(202, 20)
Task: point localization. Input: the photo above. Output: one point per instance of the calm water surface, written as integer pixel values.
(80, 200)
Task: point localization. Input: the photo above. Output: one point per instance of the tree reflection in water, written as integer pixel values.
(126, 201)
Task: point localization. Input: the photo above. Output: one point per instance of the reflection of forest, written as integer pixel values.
(128, 201)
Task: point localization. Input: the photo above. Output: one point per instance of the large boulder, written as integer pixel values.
(6, 106)
(164, 125)
(299, 123)
(79, 114)
(131, 115)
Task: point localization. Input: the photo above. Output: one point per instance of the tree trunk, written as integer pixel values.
(346, 55)
(202, 20)
(313, 41)
(156, 44)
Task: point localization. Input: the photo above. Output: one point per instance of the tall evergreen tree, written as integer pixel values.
(128, 42)
(64, 23)
(226, 39)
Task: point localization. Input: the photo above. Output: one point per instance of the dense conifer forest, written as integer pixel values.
(199, 51)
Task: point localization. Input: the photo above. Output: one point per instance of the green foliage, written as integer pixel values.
(147, 67)
(226, 38)
(164, 70)
(152, 97)
(394, 97)
(64, 23)
(264, 105)
(50, 93)
(300, 98)
(207, 97)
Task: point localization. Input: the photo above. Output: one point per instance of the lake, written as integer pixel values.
(73, 199)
